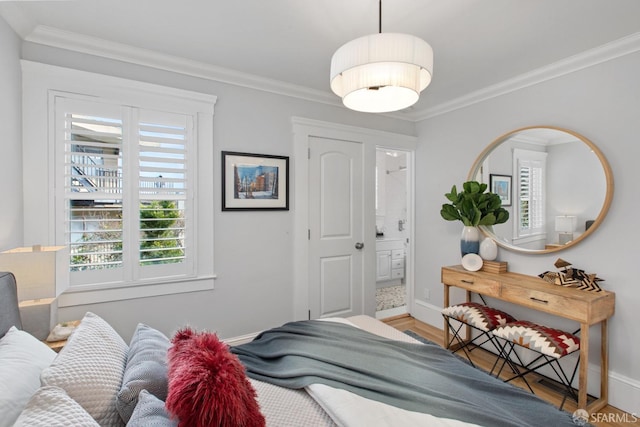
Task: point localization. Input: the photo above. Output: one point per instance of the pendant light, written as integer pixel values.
(380, 73)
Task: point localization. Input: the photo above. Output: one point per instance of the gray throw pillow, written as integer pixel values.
(150, 412)
(146, 369)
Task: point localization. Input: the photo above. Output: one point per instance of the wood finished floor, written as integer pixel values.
(607, 417)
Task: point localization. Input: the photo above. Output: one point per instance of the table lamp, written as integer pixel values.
(42, 274)
(565, 226)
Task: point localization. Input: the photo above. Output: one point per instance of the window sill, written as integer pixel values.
(530, 239)
(95, 295)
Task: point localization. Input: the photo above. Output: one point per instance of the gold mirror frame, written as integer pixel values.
(475, 168)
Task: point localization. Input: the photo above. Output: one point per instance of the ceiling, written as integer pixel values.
(477, 43)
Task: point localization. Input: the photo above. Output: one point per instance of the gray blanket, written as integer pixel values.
(416, 377)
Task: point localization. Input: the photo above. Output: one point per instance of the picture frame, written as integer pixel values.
(501, 185)
(254, 182)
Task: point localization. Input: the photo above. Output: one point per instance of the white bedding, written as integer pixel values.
(350, 410)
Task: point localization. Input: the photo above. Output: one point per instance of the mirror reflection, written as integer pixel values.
(555, 183)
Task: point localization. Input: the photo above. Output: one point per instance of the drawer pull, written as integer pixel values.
(468, 282)
(539, 300)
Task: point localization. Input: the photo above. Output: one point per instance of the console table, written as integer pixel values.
(584, 307)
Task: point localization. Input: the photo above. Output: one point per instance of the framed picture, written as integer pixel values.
(501, 185)
(254, 182)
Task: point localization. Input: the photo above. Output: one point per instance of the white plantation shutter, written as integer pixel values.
(530, 173)
(89, 142)
(127, 199)
(163, 186)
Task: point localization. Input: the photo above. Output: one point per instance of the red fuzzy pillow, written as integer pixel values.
(208, 385)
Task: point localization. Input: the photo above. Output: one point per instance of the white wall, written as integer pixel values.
(10, 143)
(601, 102)
(253, 250)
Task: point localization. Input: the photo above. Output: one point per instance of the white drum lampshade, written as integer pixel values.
(41, 271)
(381, 72)
(565, 226)
(42, 274)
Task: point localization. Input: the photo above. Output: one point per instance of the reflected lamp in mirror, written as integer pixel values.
(565, 226)
(42, 274)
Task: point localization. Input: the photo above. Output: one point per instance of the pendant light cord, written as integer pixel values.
(380, 17)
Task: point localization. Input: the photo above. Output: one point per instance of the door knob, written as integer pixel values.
(359, 245)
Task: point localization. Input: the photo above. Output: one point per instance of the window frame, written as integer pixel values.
(41, 84)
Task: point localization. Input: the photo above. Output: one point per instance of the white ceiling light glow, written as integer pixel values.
(381, 72)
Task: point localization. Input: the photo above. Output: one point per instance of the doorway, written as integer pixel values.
(306, 301)
(393, 206)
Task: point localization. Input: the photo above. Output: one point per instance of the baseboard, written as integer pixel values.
(427, 313)
(624, 392)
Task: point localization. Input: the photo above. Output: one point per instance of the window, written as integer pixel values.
(530, 208)
(122, 173)
(123, 168)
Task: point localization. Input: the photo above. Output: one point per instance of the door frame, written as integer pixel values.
(303, 129)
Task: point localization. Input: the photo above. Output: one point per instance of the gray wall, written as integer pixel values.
(253, 250)
(602, 103)
(10, 143)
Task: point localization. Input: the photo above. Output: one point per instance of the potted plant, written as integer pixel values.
(473, 206)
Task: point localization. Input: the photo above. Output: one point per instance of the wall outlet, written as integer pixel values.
(427, 294)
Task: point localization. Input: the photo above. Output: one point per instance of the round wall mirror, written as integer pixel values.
(555, 183)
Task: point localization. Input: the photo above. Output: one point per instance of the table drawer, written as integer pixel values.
(472, 283)
(571, 308)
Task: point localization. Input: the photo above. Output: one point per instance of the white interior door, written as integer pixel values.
(336, 227)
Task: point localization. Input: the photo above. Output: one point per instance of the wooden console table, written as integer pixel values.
(584, 307)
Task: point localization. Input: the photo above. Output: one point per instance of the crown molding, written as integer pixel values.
(107, 49)
(586, 59)
(103, 48)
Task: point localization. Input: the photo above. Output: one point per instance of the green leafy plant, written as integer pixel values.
(473, 206)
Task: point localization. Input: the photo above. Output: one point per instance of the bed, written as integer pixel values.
(99, 379)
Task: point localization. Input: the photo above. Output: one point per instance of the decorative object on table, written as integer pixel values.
(572, 277)
(495, 267)
(61, 331)
(474, 208)
(488, 249)
(42, 274)
(254, 182)
(472, 262)
(565, 226)
(470, 240)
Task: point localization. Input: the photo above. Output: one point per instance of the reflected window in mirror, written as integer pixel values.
(531, 172)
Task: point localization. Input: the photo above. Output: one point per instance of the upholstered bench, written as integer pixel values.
(551, 345)
(478, 316)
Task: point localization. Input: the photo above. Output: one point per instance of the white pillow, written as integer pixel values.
(52, 407)
(90, 369)
(22, 359)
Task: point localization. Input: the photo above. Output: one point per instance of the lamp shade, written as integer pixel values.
(381, 72)
(41, 272)
(566, 223)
